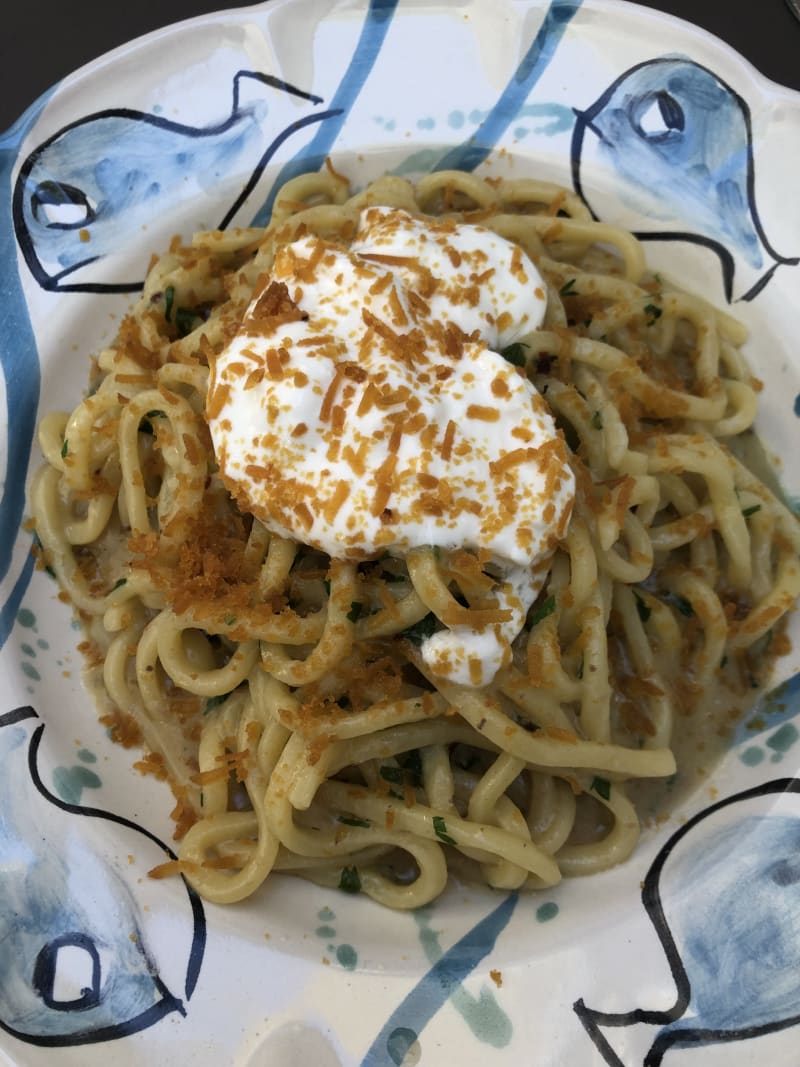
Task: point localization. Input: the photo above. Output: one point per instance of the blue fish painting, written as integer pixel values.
(679, 141)
(724, 898)
(83, 194)
(77, 965)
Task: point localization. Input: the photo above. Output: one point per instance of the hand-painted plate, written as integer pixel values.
(689, 952)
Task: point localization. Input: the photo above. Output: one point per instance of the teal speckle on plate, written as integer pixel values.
(70, 782)
(26, 618)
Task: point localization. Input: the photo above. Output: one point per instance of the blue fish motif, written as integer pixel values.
(724, 897)
(83, 193)
(76, 965)
(680, 139)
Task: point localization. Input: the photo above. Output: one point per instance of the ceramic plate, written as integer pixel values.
(688, 953)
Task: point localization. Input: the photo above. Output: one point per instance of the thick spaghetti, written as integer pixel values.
(284, 690)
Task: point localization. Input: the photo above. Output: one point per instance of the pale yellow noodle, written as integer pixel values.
(283, 692)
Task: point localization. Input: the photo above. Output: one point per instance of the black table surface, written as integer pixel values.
(43, 40)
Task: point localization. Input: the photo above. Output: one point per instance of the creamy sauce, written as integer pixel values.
(363, 407)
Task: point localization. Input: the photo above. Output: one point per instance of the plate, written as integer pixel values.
(660, 959)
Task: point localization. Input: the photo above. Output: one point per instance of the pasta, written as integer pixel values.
(284, 690)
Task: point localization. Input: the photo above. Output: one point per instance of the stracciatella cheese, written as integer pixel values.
(363, 408)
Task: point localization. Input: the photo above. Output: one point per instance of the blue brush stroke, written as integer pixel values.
(8, 613)
(312, 156)
(471, 153)
(441, 981)
(482, 1014)
(780, 705)
(19, 359)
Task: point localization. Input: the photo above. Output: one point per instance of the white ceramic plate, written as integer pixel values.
(689, 952)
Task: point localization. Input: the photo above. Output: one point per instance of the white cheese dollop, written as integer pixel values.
(363, 407)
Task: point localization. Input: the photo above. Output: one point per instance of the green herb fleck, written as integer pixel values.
(537, 614)
(515, 354)
(747, 512)
(356, 611)
(327, 583)
(230, 620)
(602, 787)
(350, 881)
(440, 827)
(169, 300)
(64, 449)
(185, 320)
(568, 288)
(642, 608)
(421, 630)
(597, 421)
(653, 311)
(119, 583)
(412, 765)
(39, 550)
(146, 426)
(351, 820)
(682, 604)
(214, 702)
(579, 672)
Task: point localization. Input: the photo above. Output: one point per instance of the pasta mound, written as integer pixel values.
(282, 692)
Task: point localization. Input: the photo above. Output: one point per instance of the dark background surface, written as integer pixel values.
(43, 40)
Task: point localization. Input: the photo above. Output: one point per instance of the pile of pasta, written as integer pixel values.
(281, 693)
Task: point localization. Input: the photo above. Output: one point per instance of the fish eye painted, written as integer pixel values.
(67, 973)
(60, 206)
(785, 872)
(657, 115)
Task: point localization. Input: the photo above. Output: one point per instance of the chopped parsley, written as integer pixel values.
(642, 608)
(681, 603)
(440, 826)
(412, 766)
(351, 820)
(350, 880)
(602, 787)
(64, 449)
(597, 421)
(356, 611)
(537, 614)
(421, 630)
(653, 312)
(118, 584)
(214, 702)
(747, 512)
(38, 549)
(146, 426)
(568, 288)
(185, 320)
(395, 775)
(515, 354)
